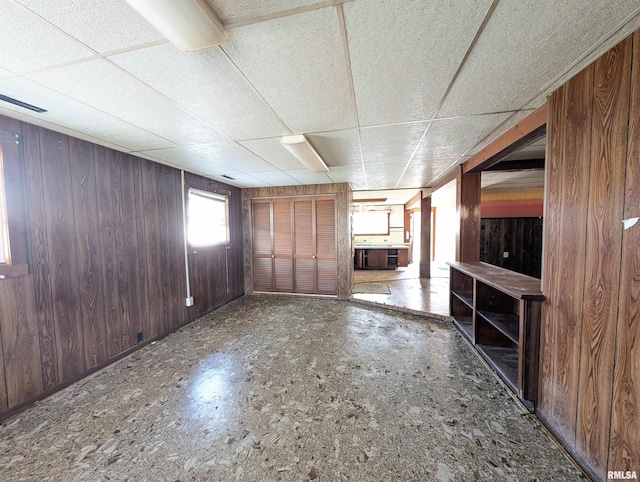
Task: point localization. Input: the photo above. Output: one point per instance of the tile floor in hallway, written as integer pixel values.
(286, 388)
(404, 290)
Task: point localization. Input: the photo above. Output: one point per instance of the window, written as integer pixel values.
(371, 223)
(3, 218)
(207, 223)
(13, 243)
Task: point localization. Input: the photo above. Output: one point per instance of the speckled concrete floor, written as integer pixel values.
(283, 388)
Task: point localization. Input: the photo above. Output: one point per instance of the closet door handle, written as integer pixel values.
(314, 256)
(273, 255)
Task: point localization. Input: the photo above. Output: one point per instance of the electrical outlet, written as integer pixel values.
(189, 301)
(505, 254)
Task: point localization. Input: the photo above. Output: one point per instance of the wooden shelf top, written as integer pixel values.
(514, 284)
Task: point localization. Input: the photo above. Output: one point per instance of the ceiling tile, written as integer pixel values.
(275, 178)
(231, 11)
(421, 174)
(524, 46)
(383, 176)
(69, 113)
(234, 156)
(353, 174)
(21, 31)
(205, 83)
(104, 86)
(272, 151)
(191, 161)
(391, 144)
(404, 54)
(338, 148)
(103, 25)
(297, 64)
(307, 177)
(453, 137)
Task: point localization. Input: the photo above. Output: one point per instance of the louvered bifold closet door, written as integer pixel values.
(326, 246)
(283, 245)
(262, 246)
(304, 254)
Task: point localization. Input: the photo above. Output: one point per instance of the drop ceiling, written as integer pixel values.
(392, 94)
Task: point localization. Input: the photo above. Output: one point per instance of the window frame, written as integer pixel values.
(219, 196)
(12, 203)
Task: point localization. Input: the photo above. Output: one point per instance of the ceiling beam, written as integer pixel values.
(526, 131)
(451, 176)
(518, 165)
(413, 201)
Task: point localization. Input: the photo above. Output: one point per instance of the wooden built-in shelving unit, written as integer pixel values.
(498, 312)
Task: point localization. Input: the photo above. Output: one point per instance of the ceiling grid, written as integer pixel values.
(392, 94)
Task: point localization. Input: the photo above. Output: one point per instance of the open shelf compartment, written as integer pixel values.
(498, 311)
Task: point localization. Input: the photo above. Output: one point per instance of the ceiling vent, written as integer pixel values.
(228, 177)
(24, 105)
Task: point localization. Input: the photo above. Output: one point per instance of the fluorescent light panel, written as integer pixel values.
(187, 24)
(302, 150)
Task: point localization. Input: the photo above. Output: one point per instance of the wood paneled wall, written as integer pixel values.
(520, 237)
(343, 194)
(106, 262)
(590, 381)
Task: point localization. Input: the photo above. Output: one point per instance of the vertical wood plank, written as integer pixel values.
(131, 271)
(20, 348)
(104, 190)
(163, 261)
(40, 265)
(122, 328)
(568, 281)
(4, 402)
(56, 176)
(152, 228)
(603, 250)
(624, 446)
(174, 245)
(569, 277)
(83, 182)
(236, 261)
(551, 240)
(141, 246)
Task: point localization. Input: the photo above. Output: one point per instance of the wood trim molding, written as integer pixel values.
(451, 176)
(414, 200)
(527, 130)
